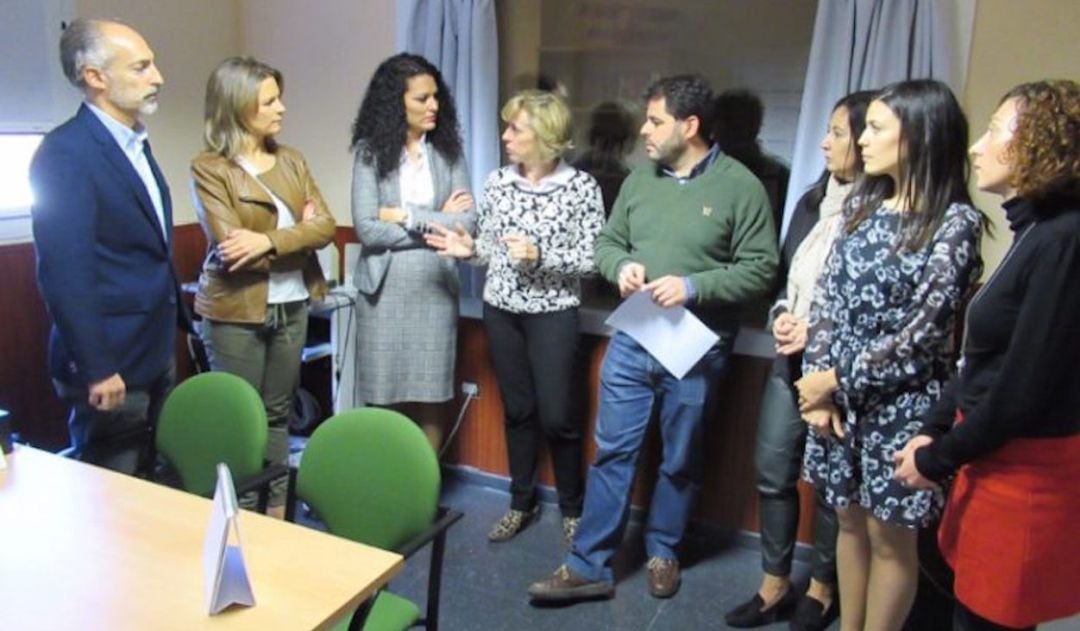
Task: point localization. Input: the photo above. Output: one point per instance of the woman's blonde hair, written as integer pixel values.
(549, 118)
(232, 95)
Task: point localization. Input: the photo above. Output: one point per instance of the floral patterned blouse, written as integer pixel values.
(884, 317)
(562, 215)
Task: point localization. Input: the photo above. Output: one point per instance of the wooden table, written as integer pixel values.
(86, 548)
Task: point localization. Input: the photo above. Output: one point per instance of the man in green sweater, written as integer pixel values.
(693, 229)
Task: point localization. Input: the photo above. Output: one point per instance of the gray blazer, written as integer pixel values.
(379, 239)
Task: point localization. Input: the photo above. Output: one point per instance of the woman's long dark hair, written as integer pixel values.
(380, 128)
(933, 161)
(856, 104)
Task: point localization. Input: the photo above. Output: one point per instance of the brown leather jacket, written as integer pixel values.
(225, 198)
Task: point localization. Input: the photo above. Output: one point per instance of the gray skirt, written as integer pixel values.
(406, 333)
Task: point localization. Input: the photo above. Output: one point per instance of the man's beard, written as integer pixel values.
(148, 107)
(669, 153)
(125, 99)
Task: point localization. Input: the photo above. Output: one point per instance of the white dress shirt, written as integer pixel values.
(132, 142)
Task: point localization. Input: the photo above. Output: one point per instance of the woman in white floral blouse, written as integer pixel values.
(537, 221)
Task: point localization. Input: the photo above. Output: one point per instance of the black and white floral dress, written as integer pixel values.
(885, 318)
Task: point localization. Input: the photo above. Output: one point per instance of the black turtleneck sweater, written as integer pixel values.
(1020, 376)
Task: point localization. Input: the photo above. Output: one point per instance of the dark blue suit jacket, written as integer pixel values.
(103, 266)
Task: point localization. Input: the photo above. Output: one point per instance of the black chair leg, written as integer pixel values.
(438, 547)
(148, 456)
(359, 617)
(290, 497)
(264, 499)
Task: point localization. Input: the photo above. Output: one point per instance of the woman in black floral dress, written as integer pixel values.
(880, 342)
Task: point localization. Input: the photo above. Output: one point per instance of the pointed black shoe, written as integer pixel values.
(749, 614)
(811, 615)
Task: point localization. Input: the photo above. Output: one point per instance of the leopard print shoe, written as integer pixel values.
(510, 524)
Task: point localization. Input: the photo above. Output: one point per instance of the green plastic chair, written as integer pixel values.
(216, 417)
(371, 476)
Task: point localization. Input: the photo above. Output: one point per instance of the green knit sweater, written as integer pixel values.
(716, 229)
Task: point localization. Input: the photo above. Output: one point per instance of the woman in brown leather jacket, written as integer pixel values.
(264, 217)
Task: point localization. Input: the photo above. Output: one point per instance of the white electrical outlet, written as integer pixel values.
(469, 388)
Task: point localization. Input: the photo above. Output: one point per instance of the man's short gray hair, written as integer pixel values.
(82, 44)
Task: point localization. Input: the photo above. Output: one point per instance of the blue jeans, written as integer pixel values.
(630, 381)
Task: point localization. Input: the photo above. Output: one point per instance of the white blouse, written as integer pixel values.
(415, 181)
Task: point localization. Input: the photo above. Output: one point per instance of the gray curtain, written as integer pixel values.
(460, 38)
(866, 44)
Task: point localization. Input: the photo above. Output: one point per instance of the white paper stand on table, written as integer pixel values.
(225, 578)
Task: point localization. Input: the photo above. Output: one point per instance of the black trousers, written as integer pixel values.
(533, 356)
(781, 438)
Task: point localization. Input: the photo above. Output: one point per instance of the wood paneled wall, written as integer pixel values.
(727, 496)
(25, 386)
(189, 250)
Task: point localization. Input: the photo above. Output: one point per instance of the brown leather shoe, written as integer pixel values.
(564, 585)
(664, 577)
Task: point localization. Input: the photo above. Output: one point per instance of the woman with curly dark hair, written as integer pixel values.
(409, 172)
(1009, 424)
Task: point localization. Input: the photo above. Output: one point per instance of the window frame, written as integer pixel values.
(15, 220)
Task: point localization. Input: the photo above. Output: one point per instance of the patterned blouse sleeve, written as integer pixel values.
(485, 229)
(576, 259)
(907, 355)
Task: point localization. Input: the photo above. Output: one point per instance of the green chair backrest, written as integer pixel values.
(210, 418)
(371, 476)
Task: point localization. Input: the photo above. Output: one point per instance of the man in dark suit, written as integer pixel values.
(102, 222)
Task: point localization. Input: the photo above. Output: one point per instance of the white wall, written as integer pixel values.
(1014, 42)
(327, 51)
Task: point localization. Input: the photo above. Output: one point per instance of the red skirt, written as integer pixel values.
(1010, 532)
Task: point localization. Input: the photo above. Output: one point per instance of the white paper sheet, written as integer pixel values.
(674, 337)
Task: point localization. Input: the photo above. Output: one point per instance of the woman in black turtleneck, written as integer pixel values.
(1008, 531)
